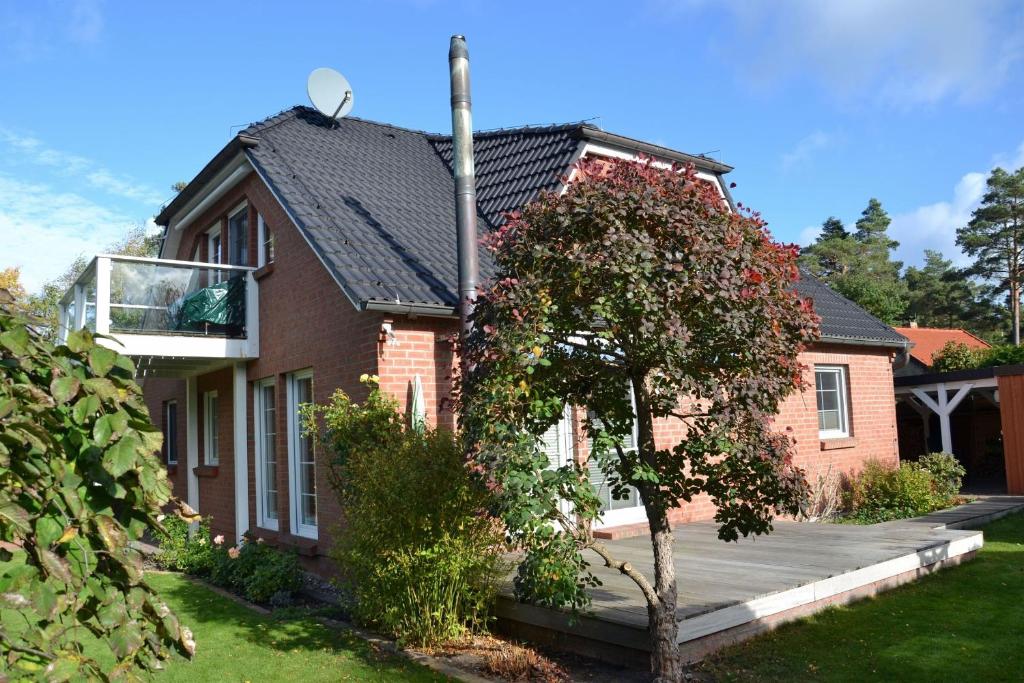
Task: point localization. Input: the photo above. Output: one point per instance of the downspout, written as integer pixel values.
(465, 181)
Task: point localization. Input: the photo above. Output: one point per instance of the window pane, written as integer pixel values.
(828, 400)
(269, 451)
(238, 229)
(830, 394)
(827, 380)
(828, 420)
(305, 457)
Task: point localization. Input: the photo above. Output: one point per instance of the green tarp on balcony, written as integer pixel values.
(221, 305)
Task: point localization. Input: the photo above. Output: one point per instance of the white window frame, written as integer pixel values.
(844, 406)
(263, 236)
(244, 206)
(263, 519)
(294, 481)
(215, 254)
(211, 438)
(171, 435)
(630, 515)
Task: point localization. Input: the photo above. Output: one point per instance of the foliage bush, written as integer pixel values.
(955, 356)
(79, 482)
(881, 493)
(958, 356)
(254, 570)
(184, 552)
(947, 475)
(417, 552)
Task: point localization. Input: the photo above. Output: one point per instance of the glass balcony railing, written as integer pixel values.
(130, 295)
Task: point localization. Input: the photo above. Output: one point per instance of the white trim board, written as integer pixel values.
(768, 605)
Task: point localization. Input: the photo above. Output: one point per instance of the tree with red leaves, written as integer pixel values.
(638, 279)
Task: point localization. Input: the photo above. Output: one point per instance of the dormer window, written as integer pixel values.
(238, 234)
(265, 238)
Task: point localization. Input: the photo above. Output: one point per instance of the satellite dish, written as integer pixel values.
(329, 92)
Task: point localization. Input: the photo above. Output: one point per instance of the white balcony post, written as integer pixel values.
(239, 398)
(103, 268)
(79, 320)
(192, 442)
(252, 317)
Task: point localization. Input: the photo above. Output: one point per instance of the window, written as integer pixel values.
(213, 253)
(301, 464)
(265, 238)
(265, 395)
(600, 481)
(211, 441)
(833, 411)
(238, 234)
(171, 432)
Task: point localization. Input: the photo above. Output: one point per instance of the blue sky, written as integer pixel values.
(818, 105)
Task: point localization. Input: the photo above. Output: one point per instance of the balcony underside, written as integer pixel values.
(171, 355)
(176, 367)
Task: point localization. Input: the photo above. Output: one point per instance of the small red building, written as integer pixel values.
(309, 252)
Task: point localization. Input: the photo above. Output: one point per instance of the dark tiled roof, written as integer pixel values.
(841, 319)
(376, 203)
(513, 166)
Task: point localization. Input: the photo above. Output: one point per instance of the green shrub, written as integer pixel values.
(417, 552)
(182, 552)
(955, 356)
(947, 475)
(254, 570)
(79, 481)
(257, 571)
(881, 493)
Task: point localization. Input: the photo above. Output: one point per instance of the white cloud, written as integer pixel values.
(85, 23)
(934, 226)
(808, 235)
(805, 149)
(28, 149)
(901, 53)
(43, 229)
(36, 30)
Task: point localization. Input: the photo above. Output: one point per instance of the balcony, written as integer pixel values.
(174, 318)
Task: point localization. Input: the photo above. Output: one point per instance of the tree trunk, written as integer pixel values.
(1015, 307)
(666, 664)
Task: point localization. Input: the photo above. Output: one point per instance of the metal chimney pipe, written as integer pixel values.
(465, 180)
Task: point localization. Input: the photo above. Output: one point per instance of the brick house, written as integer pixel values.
(307, 253)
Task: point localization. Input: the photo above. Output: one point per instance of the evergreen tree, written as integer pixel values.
(995, 239)
(860, 266)
(832, 228)
(943, 296)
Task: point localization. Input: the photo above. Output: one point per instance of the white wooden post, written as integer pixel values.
(103, 295)
(79, 320)
(943, 408)
(192, 441)
(239, 397)
(252, 317)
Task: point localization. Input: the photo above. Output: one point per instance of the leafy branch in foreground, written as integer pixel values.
(78, 483)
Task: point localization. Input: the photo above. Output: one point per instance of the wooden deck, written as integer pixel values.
(729, 591)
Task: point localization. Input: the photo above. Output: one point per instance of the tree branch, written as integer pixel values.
(625, 568)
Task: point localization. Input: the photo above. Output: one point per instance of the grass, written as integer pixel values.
(236, 644)
(960, 624)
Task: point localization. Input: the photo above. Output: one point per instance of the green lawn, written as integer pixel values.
(234, 643)
(960, 624)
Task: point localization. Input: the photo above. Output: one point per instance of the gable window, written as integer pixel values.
(211, 441)
(833, 409)
(265, 396)
(265, 239)
(238, 234)
(171, 432)
(213, 252)
(301, 462)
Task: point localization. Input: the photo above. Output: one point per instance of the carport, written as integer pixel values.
(967, 398)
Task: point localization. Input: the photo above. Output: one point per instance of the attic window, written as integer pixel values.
(265, 238)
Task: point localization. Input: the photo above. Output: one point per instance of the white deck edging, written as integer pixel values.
(737, 615)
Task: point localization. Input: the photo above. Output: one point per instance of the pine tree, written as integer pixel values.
(859, 266)
(995, 239)
(941, 295)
